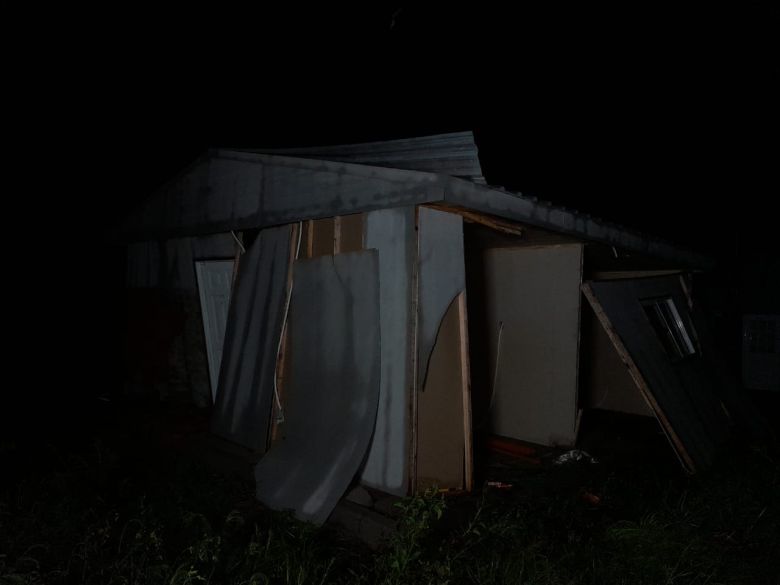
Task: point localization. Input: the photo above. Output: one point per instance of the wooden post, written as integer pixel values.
(414, 311)
(237, 260)
(282, 359)
(465, 373)
(337, 234)
(310, 242)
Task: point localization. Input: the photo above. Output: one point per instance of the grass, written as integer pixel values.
(104, 513)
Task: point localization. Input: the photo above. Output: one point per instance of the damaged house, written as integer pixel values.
(361, 312)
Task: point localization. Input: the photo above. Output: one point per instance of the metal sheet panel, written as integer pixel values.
(454, 154)
(231, 189)
(245, 389)
(391, 233)
(239, 190)
(333, 390)
(681, 392)
(442, 276)
(535, 293)
(530, 210)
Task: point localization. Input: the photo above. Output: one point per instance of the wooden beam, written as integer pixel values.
(323, 240)
(494, 223)
(282, 359)
(465, 370)
(413, 361)
(310, 239)
(352, 233)
(337, 235)
(236, 262)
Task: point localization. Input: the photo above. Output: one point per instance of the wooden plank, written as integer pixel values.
(465, 378)
(309, 239)
(685, 458)
(337, 234)
(322, 244)
(352, 228)
(578, 367)
(441, 441)
(283, 362)
(494, 223)
(413, 361)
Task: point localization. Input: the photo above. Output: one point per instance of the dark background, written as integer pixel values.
(660, 118)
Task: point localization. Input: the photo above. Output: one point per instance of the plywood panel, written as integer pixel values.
(307, 240)
(322, 242)
(441, 440)
(351, 232)
(535, 293)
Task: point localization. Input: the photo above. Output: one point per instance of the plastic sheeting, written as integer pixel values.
(332, 394)
(243, 405)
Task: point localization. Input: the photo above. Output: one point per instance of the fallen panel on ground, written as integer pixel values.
(668, 368)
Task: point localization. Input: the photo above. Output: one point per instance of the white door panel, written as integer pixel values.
(215, 279)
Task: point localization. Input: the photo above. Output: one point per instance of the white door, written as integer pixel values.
(215, 278)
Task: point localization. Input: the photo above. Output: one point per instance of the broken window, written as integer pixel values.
(669, 326)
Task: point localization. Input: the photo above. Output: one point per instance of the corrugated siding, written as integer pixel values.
(453, 154)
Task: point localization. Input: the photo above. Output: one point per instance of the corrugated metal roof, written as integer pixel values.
(232, 189)
(454, 154)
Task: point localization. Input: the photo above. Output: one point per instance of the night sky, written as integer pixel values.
(661, 119)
